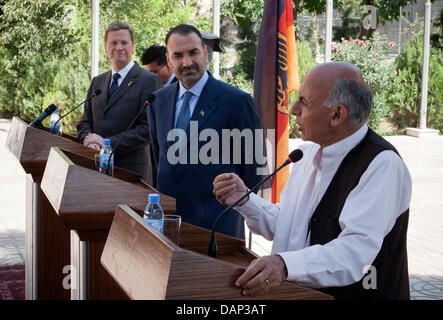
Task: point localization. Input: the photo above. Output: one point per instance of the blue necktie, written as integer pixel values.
(185, 114)
(114, 84)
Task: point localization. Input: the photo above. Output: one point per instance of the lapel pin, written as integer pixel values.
(129, 84)
(202, 113)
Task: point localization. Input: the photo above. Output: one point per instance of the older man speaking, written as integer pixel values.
(342, 221)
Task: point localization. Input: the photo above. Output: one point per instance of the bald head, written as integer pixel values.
(341, 83)
(326, 75)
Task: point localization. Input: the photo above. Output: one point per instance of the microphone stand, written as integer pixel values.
(212, 250)
(147, 102)
(96, 93)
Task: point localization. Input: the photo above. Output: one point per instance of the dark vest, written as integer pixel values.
(391, 263)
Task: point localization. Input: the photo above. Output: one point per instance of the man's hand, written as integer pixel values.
(94, 146)
(228, 188)
(262, 275)
(93, 140)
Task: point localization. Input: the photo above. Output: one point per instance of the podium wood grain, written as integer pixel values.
(85, 201)
(31, 146)
(49, 241)
(147, 265)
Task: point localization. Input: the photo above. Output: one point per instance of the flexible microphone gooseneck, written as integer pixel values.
(294, 156)
(150, 99)
(96, 93)
(48, 111)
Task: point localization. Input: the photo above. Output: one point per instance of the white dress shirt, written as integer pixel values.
(368, 215)
(171, 77)
(123, 73)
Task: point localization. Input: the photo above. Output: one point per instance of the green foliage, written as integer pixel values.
(45, 48)
(238, 80)
(368, 56)
(404, 93)
(387, 10)
(247, 15)
(34, 37)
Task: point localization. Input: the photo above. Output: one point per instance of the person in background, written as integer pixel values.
(154, 59)
(124, 92)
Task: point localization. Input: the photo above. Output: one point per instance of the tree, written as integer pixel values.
(45, 47)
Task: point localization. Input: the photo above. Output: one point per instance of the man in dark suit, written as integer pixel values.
(201, 107)
(125, 89)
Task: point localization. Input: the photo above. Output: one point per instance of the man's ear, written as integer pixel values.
(339, 115)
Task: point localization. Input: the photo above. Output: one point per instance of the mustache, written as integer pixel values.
(190, 68)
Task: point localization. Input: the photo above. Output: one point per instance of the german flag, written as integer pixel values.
(275, 76)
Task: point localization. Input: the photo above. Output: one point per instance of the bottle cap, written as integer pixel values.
(154, 197)
(107, 141)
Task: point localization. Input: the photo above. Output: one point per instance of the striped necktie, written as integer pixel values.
(114, 84)
(185, 114)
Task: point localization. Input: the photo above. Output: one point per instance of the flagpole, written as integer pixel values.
(216, 31)
(329, 10)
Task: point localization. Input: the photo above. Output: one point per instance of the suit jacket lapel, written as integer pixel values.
(103, 83)
(128, 83)
(207, 103)
(167, 110)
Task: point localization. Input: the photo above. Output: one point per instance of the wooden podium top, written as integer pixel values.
(85, 199)
(147, 265)
(31, 146)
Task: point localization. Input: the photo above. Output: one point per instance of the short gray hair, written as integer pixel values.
(356, 98)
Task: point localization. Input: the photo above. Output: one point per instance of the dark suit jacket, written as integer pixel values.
(111, 118)
(220, 106)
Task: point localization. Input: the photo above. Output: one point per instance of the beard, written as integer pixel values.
(190, 75)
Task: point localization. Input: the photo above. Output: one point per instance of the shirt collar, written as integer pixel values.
(340, 147)
(169, 81)
(197, 88)
(347, 143)
(123, 72)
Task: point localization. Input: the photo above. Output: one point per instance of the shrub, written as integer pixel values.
(369, 57)
(404, 93)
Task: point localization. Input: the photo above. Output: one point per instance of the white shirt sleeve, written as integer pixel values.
(368, 215)
(260, 215)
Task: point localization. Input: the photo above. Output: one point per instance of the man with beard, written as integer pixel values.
(199, 103)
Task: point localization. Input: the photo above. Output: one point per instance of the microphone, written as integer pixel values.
(96, 93)
(48, 111)
(294, 156)
(150, 99)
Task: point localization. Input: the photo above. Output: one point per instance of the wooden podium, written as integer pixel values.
(47, 239)
(147, 265)
(85, 201)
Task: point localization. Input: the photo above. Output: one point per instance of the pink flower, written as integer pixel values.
(395, 73)
(334, 46)
(391, 44)
(229, 74)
